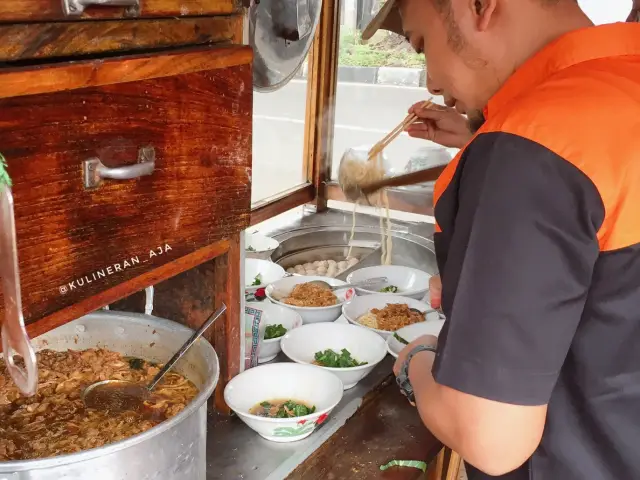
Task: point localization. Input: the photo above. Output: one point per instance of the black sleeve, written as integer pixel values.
(518, 270)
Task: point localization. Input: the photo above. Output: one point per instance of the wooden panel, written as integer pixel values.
(74, 243)
(121, 294)
(51, 40)
(189, 298)
(69, 76)
(288, 201)
(40, 10)
(227, 335)
(385, 428)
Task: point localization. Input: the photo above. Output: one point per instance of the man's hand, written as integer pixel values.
(442, 125)
(435, 291)
(428, 340)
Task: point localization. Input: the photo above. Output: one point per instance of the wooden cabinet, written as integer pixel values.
(127, 133)
(179, 124)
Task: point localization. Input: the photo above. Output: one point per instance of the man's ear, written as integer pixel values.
(483, 11)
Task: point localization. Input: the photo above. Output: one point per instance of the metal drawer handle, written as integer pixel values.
(74, 8)
(95, 171)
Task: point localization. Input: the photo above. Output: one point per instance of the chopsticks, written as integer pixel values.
(382, 144)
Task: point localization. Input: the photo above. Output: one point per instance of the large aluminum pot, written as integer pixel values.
(173, 450)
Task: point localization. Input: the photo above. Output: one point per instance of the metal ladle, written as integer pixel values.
(15, 341)
(427, 312)
(278, 295)
(121, 395)
(371, 282)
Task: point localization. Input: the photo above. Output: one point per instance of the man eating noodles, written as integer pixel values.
(536, 374)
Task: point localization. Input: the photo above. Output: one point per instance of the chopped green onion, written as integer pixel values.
(405, 463)
(400, 339)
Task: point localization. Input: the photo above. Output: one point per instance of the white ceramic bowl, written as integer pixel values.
(271, 314)
(278, 381)
(361, 305)
(411, 282)
(431, 327)
(259, 246)
(269, 272)
(301, 345)
(312, 314)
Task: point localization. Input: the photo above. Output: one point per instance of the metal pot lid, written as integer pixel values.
(281, 33)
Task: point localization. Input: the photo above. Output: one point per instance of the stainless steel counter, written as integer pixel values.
(233, 450)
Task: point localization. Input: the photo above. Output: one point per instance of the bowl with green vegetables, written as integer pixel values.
(260, 273)
(348, 351)
(283, 401)
(275, 322)
(406, 281)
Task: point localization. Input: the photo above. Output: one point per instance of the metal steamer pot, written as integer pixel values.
(174, 449)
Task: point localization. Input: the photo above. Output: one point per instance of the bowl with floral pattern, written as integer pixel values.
(284, 402)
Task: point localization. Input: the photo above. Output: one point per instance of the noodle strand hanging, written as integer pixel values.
(356, 170)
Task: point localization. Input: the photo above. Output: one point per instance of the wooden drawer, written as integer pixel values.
(50, 40)
(192, 108)
(39, 10)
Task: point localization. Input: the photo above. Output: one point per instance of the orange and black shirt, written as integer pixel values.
(538, 245)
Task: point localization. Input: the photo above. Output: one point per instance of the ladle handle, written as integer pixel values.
(419, 176)
(198, 333)
(371, 282)
(15, 341)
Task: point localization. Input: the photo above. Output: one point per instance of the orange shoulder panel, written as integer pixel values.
(589, 114)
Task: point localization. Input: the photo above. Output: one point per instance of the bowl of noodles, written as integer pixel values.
(284, 402)
(313, 303)
(385, 314)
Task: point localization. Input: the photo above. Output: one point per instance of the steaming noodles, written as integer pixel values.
(356, 171)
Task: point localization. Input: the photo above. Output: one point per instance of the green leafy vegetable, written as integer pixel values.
(330, 358)
(251, 249)
(136, 363)
(282, 409)
(274, 331)
(400, 339)
(389, 289)
(405, 463)
(257, 280)
(4, 175)
(294, 410)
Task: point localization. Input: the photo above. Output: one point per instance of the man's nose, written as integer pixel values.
(433, 89)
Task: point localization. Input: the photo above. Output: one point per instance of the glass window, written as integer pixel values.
(278, 139)
(377, 82)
